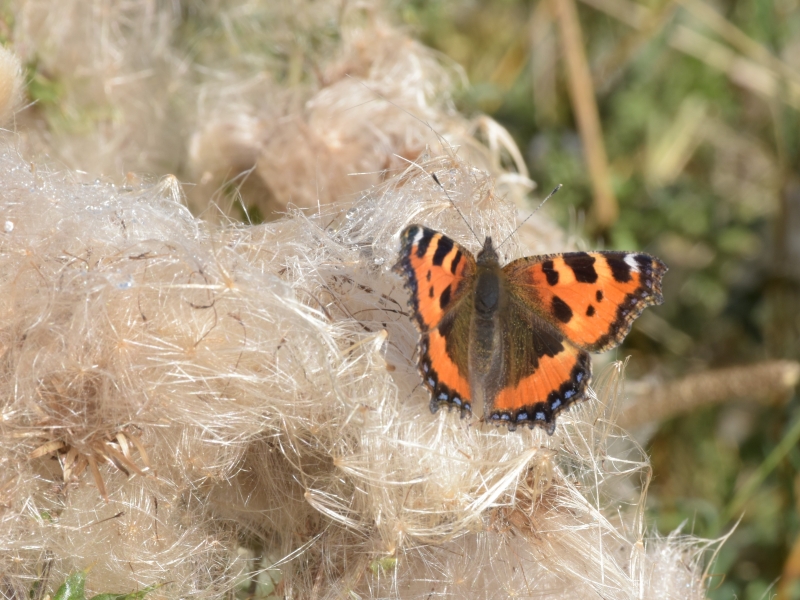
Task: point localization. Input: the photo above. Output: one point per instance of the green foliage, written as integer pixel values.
(41, 88)
(49, 96)
(705, 167)
(74, 589)
(383, 565)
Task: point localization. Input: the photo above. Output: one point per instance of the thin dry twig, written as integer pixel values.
(739, 39)
(650, 26)
(761, 382)
(791, 573)
(584, 104)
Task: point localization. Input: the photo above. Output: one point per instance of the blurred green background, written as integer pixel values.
(698, 105)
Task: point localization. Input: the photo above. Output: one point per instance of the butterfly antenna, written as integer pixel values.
(439, 183)
(541, 204)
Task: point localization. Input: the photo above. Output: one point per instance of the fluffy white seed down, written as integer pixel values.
(258, 386)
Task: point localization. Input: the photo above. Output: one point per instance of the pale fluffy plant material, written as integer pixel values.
(110, 86)
(10, 85)
(262, 381)
(290, 104)
(377, 107)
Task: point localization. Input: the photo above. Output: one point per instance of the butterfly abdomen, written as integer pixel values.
(485, 347)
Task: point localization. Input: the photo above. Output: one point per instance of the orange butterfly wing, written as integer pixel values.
(572, 304)
(439, 273)
(592, 298)
(558, 308)
(542, 374)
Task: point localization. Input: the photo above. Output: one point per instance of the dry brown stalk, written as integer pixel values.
(791, 573)
(543, 57)
(658, 401)
(584, 104)
(631, 13)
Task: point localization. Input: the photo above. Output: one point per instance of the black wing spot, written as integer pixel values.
(549, 272)
(583, 266)
(561, 310)
(619, 269)
(430, 292)
(422, 247)
(545, 346)
(428, 276)
(455, 261)
(444, 299)
(599, 295)
(443, 248)
(590, 311)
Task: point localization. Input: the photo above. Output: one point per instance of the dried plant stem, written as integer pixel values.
(741, 70)
(585, 106)
(631, 13)
(650, 26)
(543, 53)
(790, 578)
(658, 401)
(11, 84)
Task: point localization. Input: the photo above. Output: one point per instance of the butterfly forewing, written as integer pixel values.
(592, 298)
(436, 270)
(439, 274)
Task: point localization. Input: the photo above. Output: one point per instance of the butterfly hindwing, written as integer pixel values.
(443, 362)
(542, 374)
(592, 298)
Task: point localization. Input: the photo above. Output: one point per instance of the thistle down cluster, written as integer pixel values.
(217, 407)
(178, 398)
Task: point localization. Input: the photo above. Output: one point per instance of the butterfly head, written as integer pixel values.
(488, 256)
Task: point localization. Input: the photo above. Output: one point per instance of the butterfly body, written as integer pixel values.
(512, 342)
(488, 297)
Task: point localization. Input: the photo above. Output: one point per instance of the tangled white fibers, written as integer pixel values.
(179, 397)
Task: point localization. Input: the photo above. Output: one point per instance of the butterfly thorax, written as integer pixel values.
(488, 285)
(488, 256)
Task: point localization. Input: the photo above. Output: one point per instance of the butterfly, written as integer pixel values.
(514, 341)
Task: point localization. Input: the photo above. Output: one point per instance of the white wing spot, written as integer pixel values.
(631, 260)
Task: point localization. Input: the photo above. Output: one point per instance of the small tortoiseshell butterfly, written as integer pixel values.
(514, 340)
